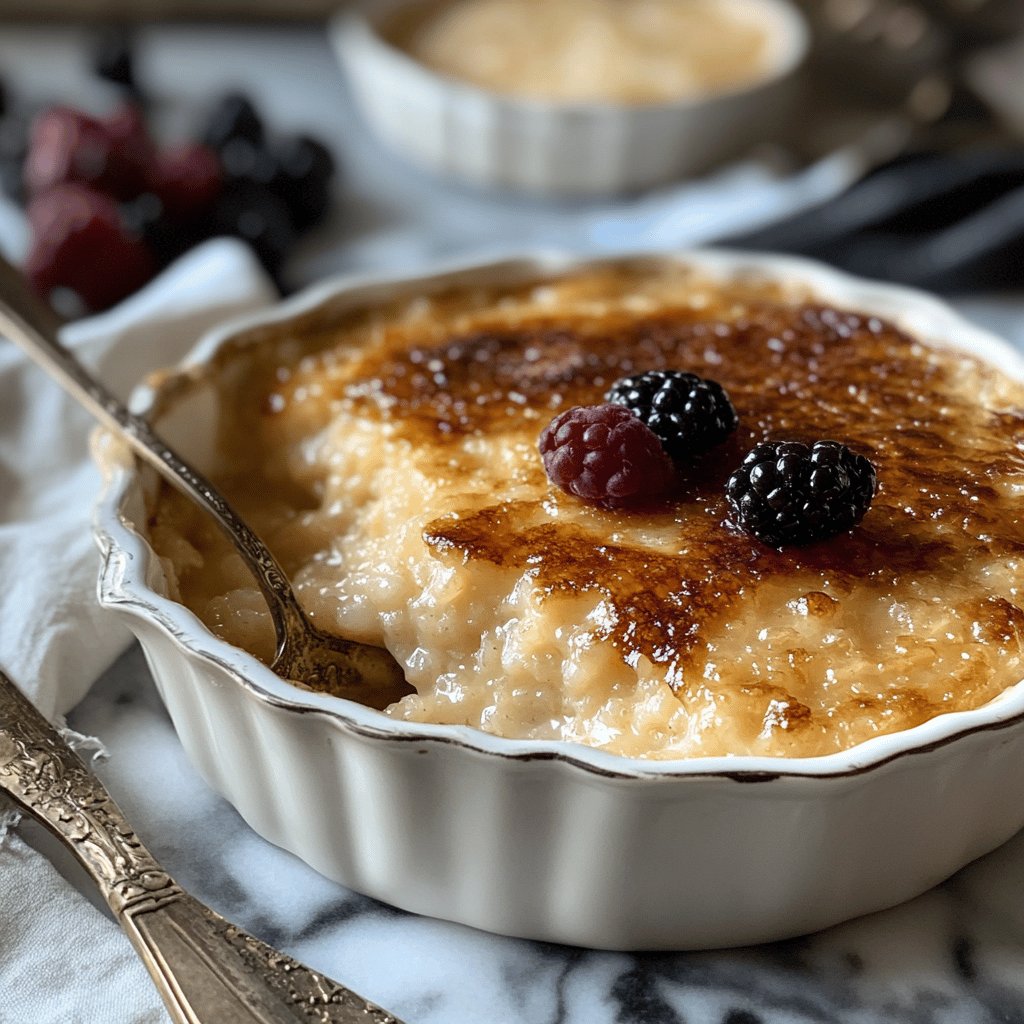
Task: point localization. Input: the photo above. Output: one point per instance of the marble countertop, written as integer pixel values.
(956, 954)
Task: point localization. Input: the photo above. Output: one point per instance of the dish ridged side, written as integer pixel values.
(551, 844)
(551, 852)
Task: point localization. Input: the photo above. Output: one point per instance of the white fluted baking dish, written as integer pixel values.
(552, 840)
(495, 140)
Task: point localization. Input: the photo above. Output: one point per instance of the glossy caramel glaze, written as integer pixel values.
(723, 645)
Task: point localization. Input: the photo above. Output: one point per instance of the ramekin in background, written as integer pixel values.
(556, 149)
(554, 840)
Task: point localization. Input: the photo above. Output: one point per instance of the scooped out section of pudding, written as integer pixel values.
(389, 457)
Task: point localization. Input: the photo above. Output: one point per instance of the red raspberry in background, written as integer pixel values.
(80, 243)
(128, 133)
(606, 456)
(187, 179)
(109, 156)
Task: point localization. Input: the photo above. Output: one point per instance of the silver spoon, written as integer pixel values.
(207, 970)
(303, 653)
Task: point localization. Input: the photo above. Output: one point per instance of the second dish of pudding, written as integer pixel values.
(592, 51)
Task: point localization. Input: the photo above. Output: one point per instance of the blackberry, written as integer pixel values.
(689, 414)
(113, 58)
(233, 117)
(254, 214)
(604, 455)
(166, 236)
(247, 161)
(787, 493)
(306, 168)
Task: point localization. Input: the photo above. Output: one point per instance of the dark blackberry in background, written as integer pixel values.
(298, 171)
(250, 162)
(306, 169)
(787, 493)
(167, 239)
(276, 188)
(258, 217)
(114, 58)
(234, 116)
(689, 414)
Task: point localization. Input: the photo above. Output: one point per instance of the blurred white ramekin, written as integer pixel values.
(554, 840)
(555, 149)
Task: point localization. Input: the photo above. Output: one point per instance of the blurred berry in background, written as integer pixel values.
(109, 204)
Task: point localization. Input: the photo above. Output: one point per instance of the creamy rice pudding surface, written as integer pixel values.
(580, 51)
(389, 458)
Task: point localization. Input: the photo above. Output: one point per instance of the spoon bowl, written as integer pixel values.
(304, 654)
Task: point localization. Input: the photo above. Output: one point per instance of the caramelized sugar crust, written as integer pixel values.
(398, 479)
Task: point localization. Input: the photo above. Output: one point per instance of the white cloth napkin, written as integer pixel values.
(54, 638)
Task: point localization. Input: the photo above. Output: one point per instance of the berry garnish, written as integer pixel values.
(689, 414)
(306, 167)
(80, 243)
(605, 455)
(127, 129)
(257, 216)
(140, 206)
(167, 237)
(68, 146)
(233, 117)
(250, 162)
(187, 178)
(786, 492)
(113, 58)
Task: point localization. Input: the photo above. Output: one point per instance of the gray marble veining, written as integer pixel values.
(954, 955)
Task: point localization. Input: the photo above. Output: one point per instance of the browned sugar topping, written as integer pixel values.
(801, 373)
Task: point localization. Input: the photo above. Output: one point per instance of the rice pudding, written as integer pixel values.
(587, 51)
(389, 457)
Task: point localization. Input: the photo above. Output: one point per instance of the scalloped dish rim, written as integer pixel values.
(126, 556)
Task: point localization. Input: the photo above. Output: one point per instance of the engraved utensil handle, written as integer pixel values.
(33, 328)
(207, 970)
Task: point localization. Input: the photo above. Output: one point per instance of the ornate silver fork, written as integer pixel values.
(207, 970)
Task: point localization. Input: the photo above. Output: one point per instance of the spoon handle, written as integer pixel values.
(207, 970)
(33, 327)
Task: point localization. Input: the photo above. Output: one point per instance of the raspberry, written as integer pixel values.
(80, 243)
(69, 146)
(690, 415)
(129, 134)
(605, 455)
(187, 180)
(788, 493)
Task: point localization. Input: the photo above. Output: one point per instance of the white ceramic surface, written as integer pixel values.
(556, 149)
(557, 841)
